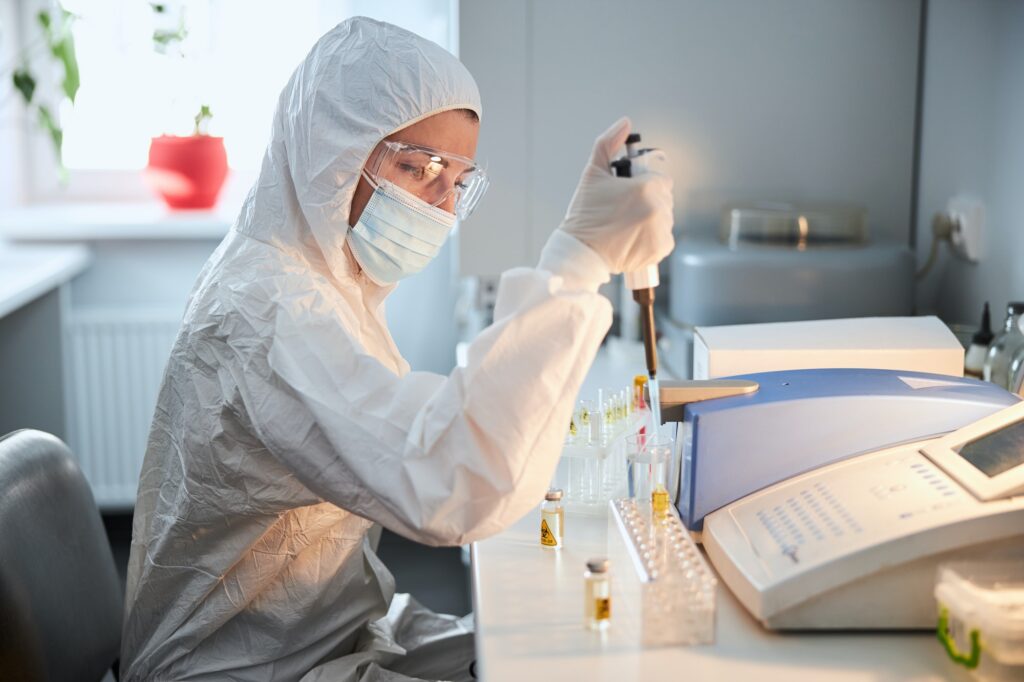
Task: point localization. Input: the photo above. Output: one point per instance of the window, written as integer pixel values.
(236, 56)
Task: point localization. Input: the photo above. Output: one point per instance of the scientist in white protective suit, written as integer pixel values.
(288, 423)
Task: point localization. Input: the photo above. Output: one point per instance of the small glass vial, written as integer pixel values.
(552, 520)
(596, 426)
(584, 410)
(1004, 346)
(597, 595)
(660, 455)
(639, 386)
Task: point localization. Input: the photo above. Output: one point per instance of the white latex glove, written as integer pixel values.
(627, 221)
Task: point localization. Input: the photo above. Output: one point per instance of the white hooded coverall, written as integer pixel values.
(288, 424)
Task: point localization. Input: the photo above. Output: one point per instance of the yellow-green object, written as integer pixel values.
(968, 660)
(597, 595)
(659, 501)
(552, 520)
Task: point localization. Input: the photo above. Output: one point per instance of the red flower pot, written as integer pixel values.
(188, 172)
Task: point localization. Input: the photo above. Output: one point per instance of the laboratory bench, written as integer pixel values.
(529, 611)
(529, 616)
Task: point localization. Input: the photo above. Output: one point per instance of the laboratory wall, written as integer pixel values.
(972, 144)
(806, 100)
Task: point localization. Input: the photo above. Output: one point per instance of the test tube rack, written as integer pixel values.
(662, 586)
(592, 472)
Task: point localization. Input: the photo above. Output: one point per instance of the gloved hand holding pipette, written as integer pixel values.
(626, 217)
(627, 221)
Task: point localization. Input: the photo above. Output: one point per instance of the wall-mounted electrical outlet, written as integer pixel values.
(967, 237)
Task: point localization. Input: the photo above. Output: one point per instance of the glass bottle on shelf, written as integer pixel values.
(1016, 384)
(1004, 346)
(974, 358)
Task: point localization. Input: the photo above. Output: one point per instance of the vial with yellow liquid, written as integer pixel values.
(583, 413)
(660, 456)
(639, 387)
(552, 520)
(660, 501)
(597, 595)
(650, 460)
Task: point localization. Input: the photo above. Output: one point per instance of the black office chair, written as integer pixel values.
(60, 595)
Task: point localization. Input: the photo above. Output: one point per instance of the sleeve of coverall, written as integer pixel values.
(440, 460)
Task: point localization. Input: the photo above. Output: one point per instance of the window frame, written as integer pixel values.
(41, 177)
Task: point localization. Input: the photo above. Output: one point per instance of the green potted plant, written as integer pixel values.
(188, 171)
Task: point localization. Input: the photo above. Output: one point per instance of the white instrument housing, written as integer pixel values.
(856, 544)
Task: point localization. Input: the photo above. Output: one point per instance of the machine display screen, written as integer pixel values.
(996, 452)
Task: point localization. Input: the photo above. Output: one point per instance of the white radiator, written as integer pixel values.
(115, 361)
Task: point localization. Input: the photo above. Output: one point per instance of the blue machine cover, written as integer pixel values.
(800, 420)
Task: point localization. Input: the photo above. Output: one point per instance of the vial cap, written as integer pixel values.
(639, 380)
(1015, 307)
(553, 495)
(633, 138)
(598, 565)
(984, 336)
(623, 168)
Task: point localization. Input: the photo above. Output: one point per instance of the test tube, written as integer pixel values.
(649, 459)
(584, 410)
(610, 415)
(591, 481)
(660, 454)
(637, 467)
(574, 487)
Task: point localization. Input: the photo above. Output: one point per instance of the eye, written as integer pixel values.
(414, 171)
(435, 166)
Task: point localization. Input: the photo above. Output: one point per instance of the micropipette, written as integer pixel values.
(642, 282)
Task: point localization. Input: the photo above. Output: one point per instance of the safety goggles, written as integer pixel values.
(430, 174)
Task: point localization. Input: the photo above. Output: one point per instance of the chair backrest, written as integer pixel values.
(60, 595)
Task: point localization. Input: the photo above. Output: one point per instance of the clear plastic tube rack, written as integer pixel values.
(665, 590)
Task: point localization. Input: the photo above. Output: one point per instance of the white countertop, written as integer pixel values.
(28, 272)
(107, 221)
(529, 613)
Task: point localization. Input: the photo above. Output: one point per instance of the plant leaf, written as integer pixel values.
(203, 119)
(64, 50)
(43, 17)
(62, 46)
(24, 83)
(48, 122)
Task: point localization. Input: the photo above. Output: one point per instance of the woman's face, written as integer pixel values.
(455, 132)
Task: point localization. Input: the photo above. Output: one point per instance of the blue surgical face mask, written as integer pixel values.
(397, 234)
